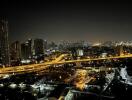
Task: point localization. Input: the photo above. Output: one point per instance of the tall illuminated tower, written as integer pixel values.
(4, 43)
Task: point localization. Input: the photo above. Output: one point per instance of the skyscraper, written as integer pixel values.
(30, 47)
(38, 47)
(15, 50)
(26, 50)
(4, 44)
(45, 44)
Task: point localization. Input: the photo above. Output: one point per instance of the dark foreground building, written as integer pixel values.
(4, 44)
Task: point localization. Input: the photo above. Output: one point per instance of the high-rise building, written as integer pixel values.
(119, 50)
(39, 47)
(15, 50)
(26, 50)
(4, 44)
(45, 44)
(80, 52)
(30, 47)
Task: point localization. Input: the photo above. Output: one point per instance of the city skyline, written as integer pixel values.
(68, 20)
(65, 50)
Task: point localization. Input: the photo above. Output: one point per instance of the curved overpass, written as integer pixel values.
(42, 66)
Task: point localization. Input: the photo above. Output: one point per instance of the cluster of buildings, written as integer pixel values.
(27, 51)
(34, 50)
(16, 52)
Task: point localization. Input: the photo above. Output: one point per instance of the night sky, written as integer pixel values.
(72, 20)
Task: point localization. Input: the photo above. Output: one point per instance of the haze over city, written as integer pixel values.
(57, 20)
(65, 50)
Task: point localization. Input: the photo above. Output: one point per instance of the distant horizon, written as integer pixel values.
(70, 41)
(57, 20)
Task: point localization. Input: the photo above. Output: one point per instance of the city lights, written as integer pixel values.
(65, 50)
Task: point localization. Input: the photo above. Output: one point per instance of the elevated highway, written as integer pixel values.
(58, 60)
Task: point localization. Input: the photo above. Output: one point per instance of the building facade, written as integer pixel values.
(38, 47)
(15, 50)
(4, 44)
(26, 50)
